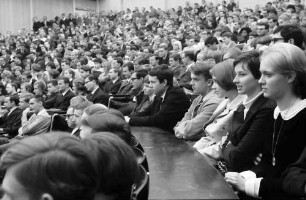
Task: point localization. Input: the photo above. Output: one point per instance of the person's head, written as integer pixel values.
(85, 71)
(127, 70)
(63, 84)
(283, 19)
(232, 53)
(262, 29)
(227, 37)
(162, 52)
(78, 86)
(53, 166)
(11, 101)
(115, 162)
(160, 79)
(247, 73)
(39, 87)
(138, 78)
(69, 117)
(291, 34)
(91, 82)
(153, 61)
(24, 99)
(11, 88)
(114, 73)
(212, 43)
(223, 76)
(69, 73)
(52, 86)
(283, 69)
(105, 122)
(26, 87)
(174, 60)
(188, 57)
(79, 108)
(36, 103)
(201, 80)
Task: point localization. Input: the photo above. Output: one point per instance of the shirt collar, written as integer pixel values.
(290, 112)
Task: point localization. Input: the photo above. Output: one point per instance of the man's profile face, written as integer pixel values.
(199, 84)
(157, 87)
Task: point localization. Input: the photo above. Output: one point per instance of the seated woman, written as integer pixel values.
(252, 122)
(283, 79)
(218, 125)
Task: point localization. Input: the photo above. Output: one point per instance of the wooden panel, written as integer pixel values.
(90, 5)
(51, 8)
(14, 15)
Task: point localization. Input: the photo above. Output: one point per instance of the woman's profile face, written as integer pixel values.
(245, 81)
(274, 85)
(219, 91)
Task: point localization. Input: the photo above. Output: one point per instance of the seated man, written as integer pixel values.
(11, 121)
(39, 122)
(168, 107)
(96, 94)
(112, 85)
(53, 95)
(202, 107)
(78, 110)
(28, 162)
(66, 94)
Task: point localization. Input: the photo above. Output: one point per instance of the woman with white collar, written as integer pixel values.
(283, 69)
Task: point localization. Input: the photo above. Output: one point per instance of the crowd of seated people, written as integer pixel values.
(229, 82)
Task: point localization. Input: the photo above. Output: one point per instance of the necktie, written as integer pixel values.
(196, 109)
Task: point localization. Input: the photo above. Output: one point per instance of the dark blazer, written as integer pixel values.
(247, 139)
(184, 79)
(11, 123)
(98, 97)
(64, 101)
(112, 88)
(289, 169)
(125, 88)
(51, 100)
(163, 114)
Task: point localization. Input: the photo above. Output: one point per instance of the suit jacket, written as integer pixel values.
(190, 127)
(163, 113)
(12, 122)
(63, 102)
(51, 100)
(184, 79)
(125, 88)
(247, 139)
(112, 88)
(98, 97)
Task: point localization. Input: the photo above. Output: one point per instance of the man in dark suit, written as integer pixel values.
(168, 107)
(96, 95)
(66, 94)
(11, 121)
(184, 77)
(163, 56)
(112, 85)
(53, 94)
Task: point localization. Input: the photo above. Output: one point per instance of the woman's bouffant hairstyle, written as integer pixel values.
(115, 162)
(287, 58)
(53, 163)
(224, 74)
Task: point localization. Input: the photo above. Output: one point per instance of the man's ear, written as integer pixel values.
(291, 41)
(165, 82)
(46, 196)
(210, 82)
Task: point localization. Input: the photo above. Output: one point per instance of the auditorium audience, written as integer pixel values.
(73, 64)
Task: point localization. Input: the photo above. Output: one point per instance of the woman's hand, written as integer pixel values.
(236, 180)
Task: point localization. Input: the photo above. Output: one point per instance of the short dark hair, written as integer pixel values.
(211, 40)
(176, 57)
(141, 73)
(202, 68)
(15, 99)
(129, 65)
(53, 82)
(65, 79)
(54, 163)
(190, 55)
(162, 73)
(291, 31)
(251, 61)
(94, 78)
(51, 65)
